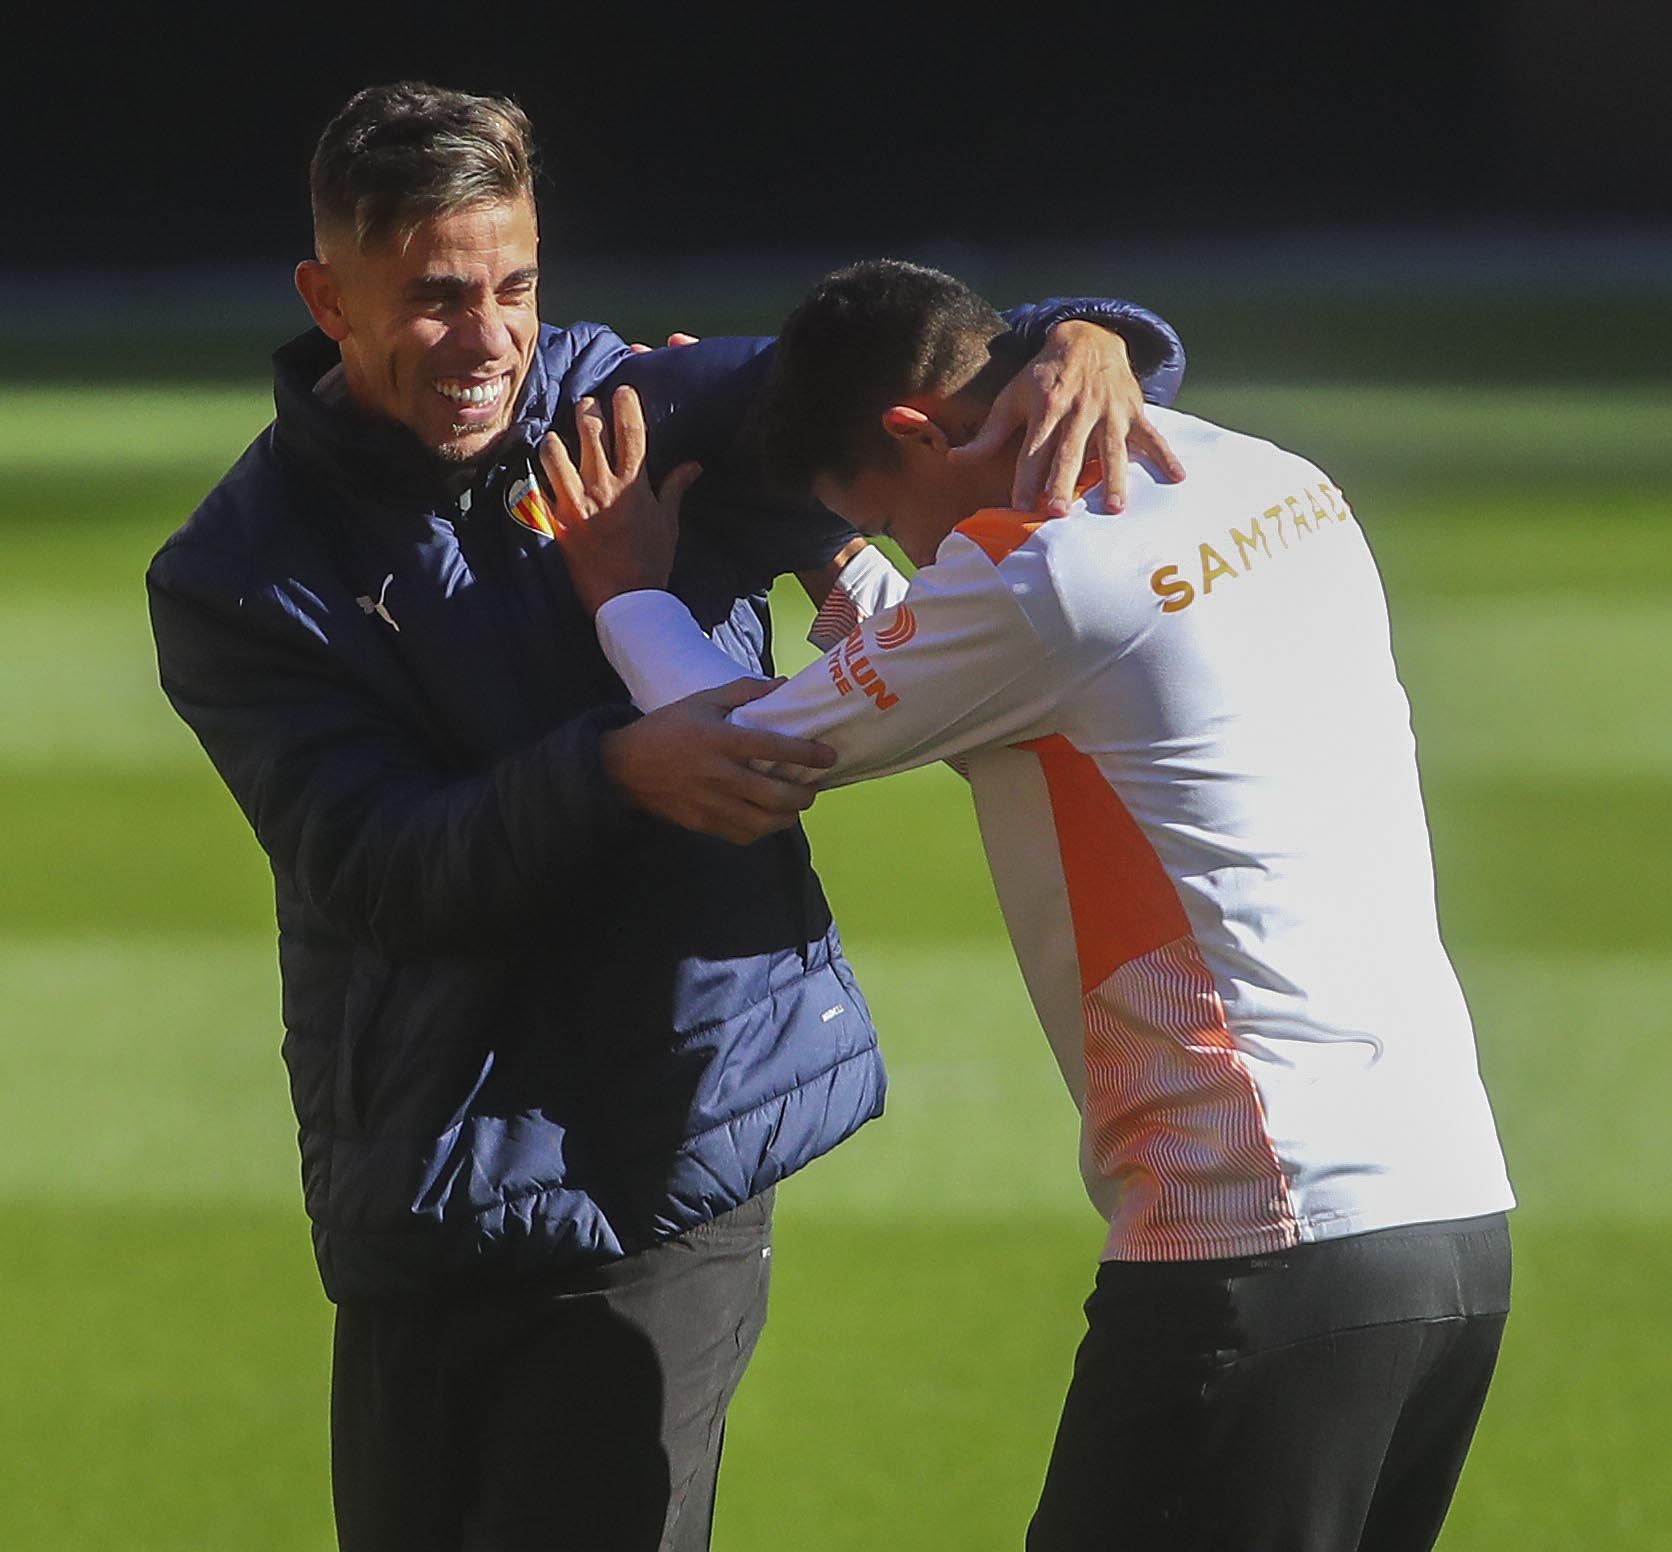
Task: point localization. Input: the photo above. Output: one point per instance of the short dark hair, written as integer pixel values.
(865, 337)
(396, 155)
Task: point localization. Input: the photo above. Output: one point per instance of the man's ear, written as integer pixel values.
(912, 425)
(318, 289)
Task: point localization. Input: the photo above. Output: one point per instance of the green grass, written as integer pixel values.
(166, 1369)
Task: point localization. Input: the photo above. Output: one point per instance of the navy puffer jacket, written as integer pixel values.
(525, 1029)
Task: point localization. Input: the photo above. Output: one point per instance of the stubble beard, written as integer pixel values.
(466, 449)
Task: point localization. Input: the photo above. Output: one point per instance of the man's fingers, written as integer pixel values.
(1002, 420)
(741, 804)
(1150, 443)
(1040, 445)
(562, 476)
(737, 693)
(682, 339)
(686, 764)
(1029, 484)
(1115, 467)
(747, 743)
(1067, 459)
(629, 433)
(595, 461)
(774, 794)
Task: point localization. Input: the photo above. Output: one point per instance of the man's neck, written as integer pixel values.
(960, 416)
(456, 478)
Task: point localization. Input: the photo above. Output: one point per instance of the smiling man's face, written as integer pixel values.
(436, 331)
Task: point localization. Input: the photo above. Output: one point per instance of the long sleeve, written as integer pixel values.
(958, 664)
(1156, 350)
(685, 661)
(353, 804)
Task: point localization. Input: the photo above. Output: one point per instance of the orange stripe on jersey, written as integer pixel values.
(1173, 1115)
(997, 531)
(1171, 1112)
(1120, 898)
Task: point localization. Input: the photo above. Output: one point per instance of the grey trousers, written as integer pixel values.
(588, 1415)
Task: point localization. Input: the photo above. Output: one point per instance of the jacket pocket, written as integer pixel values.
(369, 979)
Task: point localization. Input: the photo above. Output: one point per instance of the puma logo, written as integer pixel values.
(379, 608)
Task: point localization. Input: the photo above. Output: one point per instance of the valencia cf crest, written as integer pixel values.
(526, 501)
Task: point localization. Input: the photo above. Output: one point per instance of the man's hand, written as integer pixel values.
(617, 534)
(1077, 396)
(688, 764)
(639, 348)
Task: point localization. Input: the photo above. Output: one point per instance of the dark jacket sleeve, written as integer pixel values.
(697, 400)
(354, 803)
(1156, 350)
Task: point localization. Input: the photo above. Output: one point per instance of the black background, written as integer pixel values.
(152, 136)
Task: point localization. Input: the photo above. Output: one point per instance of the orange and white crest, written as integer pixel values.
(527, 503)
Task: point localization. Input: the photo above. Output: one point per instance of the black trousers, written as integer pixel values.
(588, 1415)
(1320, 1399)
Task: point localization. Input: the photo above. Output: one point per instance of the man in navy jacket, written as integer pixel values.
(549, 1051)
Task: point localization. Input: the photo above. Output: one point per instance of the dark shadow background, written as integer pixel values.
(1266, 173)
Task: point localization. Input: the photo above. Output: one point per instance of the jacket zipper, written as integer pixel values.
(477, 545)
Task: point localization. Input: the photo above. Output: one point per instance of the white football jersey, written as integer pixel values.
(1196, 782)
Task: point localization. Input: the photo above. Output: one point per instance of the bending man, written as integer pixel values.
(1195, 778)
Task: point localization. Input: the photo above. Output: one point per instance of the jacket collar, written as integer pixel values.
(380, 460)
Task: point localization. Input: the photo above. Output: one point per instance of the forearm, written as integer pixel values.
(659, 651)
(1153, 345)
(684, 661)
(945, 672)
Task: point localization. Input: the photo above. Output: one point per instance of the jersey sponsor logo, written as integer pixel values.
(850, 668)
(899, 630)
(1286, 525)
(527, 503)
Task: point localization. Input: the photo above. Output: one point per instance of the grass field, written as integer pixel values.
(164, 1367)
